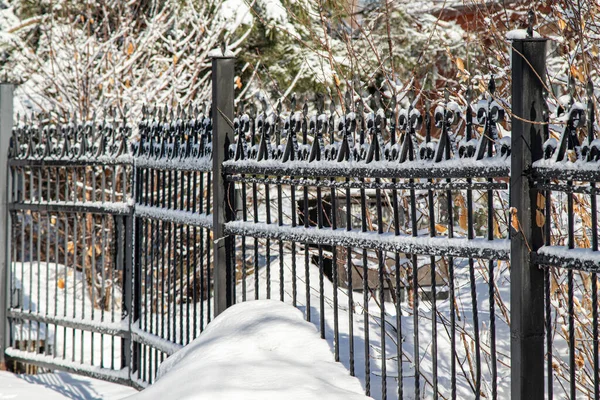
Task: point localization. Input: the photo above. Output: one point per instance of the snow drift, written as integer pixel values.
(255, 350)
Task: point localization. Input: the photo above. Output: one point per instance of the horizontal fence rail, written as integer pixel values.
(438, 256)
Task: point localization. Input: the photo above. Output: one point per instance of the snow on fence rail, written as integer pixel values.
(390, 228)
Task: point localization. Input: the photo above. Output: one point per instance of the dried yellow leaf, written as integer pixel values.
(441, 228)
(175, 59)
(562, 24)
(462, 220)
(514, 221)
(336, 80)
(594, 50)
(497, 233)
(130, 49)
(60, 283)
(460, 64)
(238, 82)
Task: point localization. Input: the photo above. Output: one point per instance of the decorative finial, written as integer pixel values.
(530, 20)
(348, 100)
(293, 102)
(492, 85)
(223, 47)
(571, 86)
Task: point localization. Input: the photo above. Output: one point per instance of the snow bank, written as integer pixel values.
(255, 350)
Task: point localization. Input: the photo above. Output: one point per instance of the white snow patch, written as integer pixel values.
(235, 12)
(255, 350)
(58, 385)
(520, 34)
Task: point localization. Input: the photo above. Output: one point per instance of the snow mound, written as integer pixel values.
(255, 350)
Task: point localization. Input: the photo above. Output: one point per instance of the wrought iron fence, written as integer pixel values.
(392, 229)
(340, 166)
(70, 211)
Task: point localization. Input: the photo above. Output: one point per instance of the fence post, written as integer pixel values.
(125, 263)
(6, 125)
(527, 280)
(223, 192)
(135, 223)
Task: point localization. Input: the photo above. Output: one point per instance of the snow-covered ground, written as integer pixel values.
(59, 385)
(53, 290)
(255, 350)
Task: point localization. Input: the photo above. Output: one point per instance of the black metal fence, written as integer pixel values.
(391, 228)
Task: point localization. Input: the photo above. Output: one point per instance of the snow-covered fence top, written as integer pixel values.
(175, 140)
(575, 155)
(41, 140)
(355, 141)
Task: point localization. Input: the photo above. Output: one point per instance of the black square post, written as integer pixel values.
(527, 279)
(223, 192)
(6, 125)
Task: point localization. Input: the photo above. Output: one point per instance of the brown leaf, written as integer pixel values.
(541, 201)
(577, 74)
(462, 220)
(540, 218)
(562, 24)
(579, 361)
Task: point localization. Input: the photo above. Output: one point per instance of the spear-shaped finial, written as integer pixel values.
(492, 85)
(530, 20)
(293, 101)
(348, 100)
(320, 103)
(571, 89)
(223, 47)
